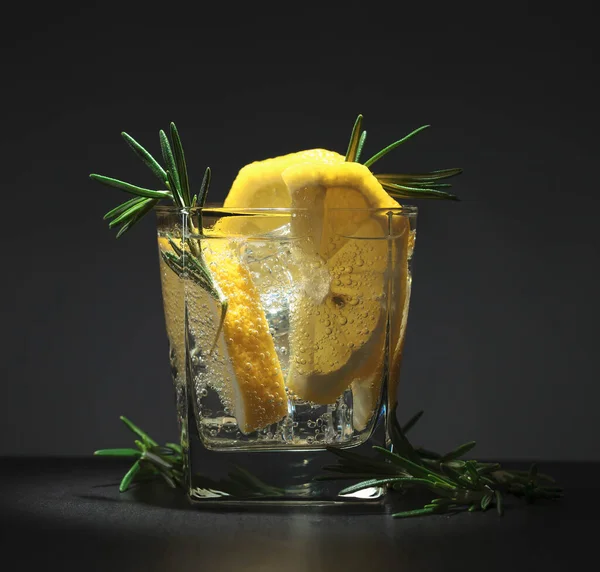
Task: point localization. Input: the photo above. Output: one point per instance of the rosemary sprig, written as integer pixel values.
(185, 263)
(151, 459)
(192, 266)
(174, 178)
(457, 484)
(398, 185)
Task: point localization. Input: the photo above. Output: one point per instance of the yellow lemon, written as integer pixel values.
(338, 335)
(259, 184)
(259, 392)
(256, 385)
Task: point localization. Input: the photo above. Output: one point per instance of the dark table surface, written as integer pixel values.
(69, 513)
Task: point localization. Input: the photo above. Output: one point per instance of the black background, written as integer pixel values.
(502, 330)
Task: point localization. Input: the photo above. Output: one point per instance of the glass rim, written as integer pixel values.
(217, 209)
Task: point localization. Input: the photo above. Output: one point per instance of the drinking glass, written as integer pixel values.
(286, 333)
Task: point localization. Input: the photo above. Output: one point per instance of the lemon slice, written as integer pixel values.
(259, 184)
(342, 334)
(256, 383)
(259, 392)
(366, 385)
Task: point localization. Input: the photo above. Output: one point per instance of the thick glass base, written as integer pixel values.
(278, 477)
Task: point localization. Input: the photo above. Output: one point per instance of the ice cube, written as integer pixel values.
(270, 264)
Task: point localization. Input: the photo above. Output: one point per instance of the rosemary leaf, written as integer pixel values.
(427, 185)
(135, 429)
(182, 173)
(459, 451)
(200, 199)
(412, 183)
(391, 147)
(122, 207)
(472, 471)
(117, 453)
(486, 500)
(129, 476)
(175, 446)
(382, 482)
(443, 501)
(171, 167)
(133, 189)
(172, 262)
(182, 262)
(487, 468)
(404, 191)
(457, 477)
(168, 479)
(361, 144)
(125, 228)
(416, 512)
(432, 176)
(168, 156)
(137, 216)
(204, 187)
(174, 186)
(178, 251)
(414, 469)
(163, 451)
(499, 502)
(141, 205)
(146, 157)
(354, 140)
(441, 508)
(197, 265)
(156, 459)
